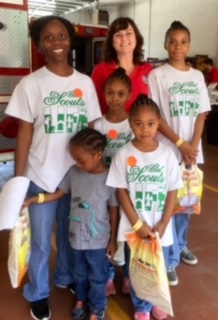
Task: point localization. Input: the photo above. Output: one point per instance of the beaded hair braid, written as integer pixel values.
(143, 101)
(120, 73)
(89, 139)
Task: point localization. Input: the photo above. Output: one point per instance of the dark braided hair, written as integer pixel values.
(89, 139)
(120, 73)
(143, 101)
(39, 24)
(176, 25)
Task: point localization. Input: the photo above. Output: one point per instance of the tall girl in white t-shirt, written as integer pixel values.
(115, 125)
(182, 97)
(52, 104)
(147, 184)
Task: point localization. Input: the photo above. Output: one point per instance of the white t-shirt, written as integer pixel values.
(148, 176)
(118, 134)
(181, 96)
(58, 107)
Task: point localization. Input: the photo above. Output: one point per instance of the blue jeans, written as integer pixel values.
(91, 271)
(42, 217)
(125, 267)
(180, 230)
(142, 305)
(64, 271)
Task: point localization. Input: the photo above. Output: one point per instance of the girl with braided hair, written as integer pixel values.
(93, 221)
(115, 125)
(147, 184)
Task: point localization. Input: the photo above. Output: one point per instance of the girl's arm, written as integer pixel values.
(169, 207)
(114, 219)
(43, 198)
(199, 127)
(127, 206)
(24, 140)
(167, 131)
(185, 148)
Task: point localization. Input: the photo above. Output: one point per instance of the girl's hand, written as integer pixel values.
(191, 158)
(145, 231)
(111, 248)
(29, 201)
(189, 153)
(160, 228)
(185, 148)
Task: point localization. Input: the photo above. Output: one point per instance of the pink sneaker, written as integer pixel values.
(141, 316)
(126, 285)
(110, 289)
(158, 313)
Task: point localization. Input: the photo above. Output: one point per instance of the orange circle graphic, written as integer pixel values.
(112, 134)
(132, 161)
(78, 93)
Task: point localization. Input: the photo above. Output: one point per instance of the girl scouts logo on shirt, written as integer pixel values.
(186, 102)
(149, 185)
(65, 112)
(151, 173)
(184, 88)
(115, 140)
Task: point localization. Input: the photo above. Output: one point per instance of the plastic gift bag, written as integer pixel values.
(148, 274)
(19, 249)
(189, 197)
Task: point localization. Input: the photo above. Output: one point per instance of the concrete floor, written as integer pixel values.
(196, 296)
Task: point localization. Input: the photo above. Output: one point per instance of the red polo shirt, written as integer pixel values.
(138, 79)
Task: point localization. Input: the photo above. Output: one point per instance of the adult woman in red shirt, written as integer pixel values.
(123, 48)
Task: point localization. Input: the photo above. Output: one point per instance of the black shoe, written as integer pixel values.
(188, 257)
(40, 310)
(172, 277)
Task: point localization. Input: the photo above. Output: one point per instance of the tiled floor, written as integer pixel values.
(196, 296)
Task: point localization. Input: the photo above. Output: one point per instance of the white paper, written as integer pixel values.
(11, 201)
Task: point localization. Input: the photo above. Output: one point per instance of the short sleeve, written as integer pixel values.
(117, 176)
(19, 104)
(98, 125)
(154, 88)
(93, 108)
(174, 175)
(65, 184)
(204, 97)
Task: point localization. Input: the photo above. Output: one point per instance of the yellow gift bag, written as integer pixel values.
(19, 249)
(189, 197)
(148, 274)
